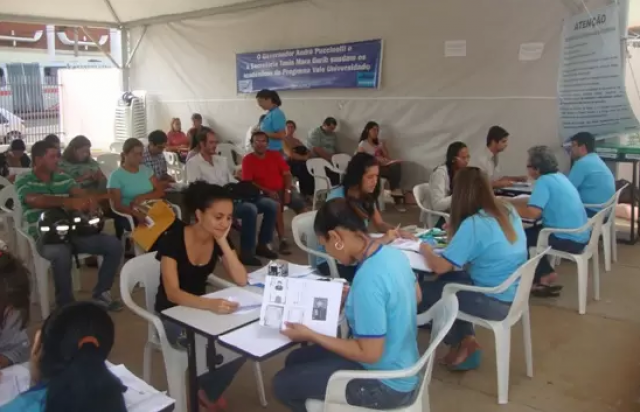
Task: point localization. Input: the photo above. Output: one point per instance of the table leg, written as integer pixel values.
(257, 372)
(634, 182)
(194, 405)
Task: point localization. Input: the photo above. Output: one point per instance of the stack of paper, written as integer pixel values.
(140, 396)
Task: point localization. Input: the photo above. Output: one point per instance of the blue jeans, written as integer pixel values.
(544, 268)
(472, 303)
(248, 213)
(61, 258)
(306, 375)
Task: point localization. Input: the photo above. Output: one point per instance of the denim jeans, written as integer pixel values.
(472, 303)
(61, 258)
(248, 213)
(306, 375)
(544, 268)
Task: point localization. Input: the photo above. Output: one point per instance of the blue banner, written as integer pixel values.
(338, 66)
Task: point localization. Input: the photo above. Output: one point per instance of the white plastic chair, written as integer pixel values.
(441, 315)
(175, 167)
(381, 199)
(609, 230)
(108, 162)
(305, 238)
(502, 329)
(6, 214)
(340, 162)
(317, 168)
(423, 199)
(116, 147)
(582, 259)
(227, 150)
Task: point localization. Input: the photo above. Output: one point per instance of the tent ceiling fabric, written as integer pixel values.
(114, 13)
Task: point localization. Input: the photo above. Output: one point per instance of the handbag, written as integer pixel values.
(244, 191)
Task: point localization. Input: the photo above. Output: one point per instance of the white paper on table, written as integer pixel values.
(247, 301)
(531, 51)
(406, 244)
(140, 396)
(259, 276)
(313, 303)
(417, 261)
(13, 381)
(455, 48)
(256, 339)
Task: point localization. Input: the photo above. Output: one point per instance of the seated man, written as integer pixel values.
(270, 173)
(45, 188)
(589, 174)
(488, 159)
(153, 157)
(207, 166)
(323, 143)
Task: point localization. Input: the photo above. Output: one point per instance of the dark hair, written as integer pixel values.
(15, 289)
(270, 95)
(356, 168)
(365, 132)
(157, 137)
(76, 143)
(76, 341)
(258, 133)
(585, 139)
(472, 193)
(330, 121)
(452, 152)
(200, 195)
(129, 144)
(201, 136)
(337, 213)
(292, 123)
(196, 116)
(52, 138)
(39, 149)
(18, 144)
(496, 133)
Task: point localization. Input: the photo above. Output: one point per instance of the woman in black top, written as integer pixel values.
(14, 157)
(187, 257)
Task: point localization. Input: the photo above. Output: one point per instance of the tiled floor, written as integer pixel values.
(587, 363)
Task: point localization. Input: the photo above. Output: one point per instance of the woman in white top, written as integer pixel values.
(441, 180)
(389, 169)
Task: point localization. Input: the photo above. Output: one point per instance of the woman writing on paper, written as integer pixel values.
(68, 369)
(381, 311)
(441, 180)
(487, 237)
(360, 187)
(188, 255)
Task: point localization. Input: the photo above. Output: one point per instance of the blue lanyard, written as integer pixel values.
(371, 242)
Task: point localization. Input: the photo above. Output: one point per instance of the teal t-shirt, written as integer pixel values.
(593, 179)
(29, 401)
(131, 184)
(274, 121)
(382, 304)
(481, 244)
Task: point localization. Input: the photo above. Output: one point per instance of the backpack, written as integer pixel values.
(243, 191)
(630, 195)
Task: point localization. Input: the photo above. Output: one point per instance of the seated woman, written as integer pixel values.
(177, 140)
(441, 180)
(389, 169)
(297, 155)
(360, 187)
(557, 201)
(381, 311)
(16, 157)
(68, 368)
(78, 163)
(487, 237)
(188, 256)
(132, 184)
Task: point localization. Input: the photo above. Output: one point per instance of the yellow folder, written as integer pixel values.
(160, 216)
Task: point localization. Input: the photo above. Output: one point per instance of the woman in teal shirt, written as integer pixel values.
(487, 237)
(274, 123)
(68, 368)
(381, 311)
(360, 186)
(132, 184)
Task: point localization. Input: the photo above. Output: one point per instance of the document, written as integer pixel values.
(313, 303)
(247, 301)
(13, 381)
(258, 277)
(140, 396)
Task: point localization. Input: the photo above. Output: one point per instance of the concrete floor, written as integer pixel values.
(587, 363)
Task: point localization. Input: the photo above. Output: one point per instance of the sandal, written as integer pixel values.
(546, 291)
(471, 362)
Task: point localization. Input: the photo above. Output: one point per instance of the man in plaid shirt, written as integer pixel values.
(153, 156)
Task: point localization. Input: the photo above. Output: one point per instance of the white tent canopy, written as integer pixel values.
(121, 13)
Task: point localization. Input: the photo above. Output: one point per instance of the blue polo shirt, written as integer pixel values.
(593, 179)
(275, 121)
(32, 400)
(382, 304)
(561, 206)
(481, 244)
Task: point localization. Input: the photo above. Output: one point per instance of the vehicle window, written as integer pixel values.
(51, 76)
